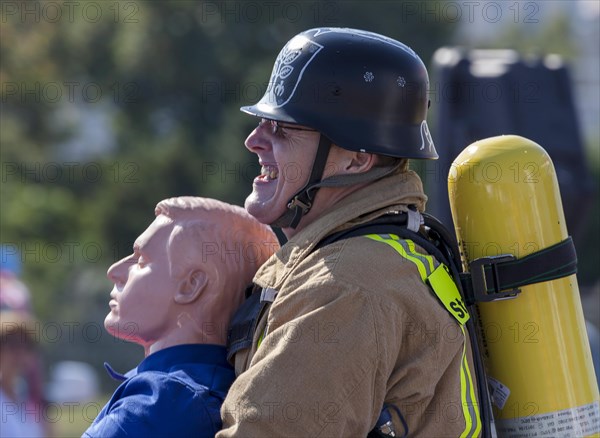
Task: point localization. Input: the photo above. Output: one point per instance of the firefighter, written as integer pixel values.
(341, 336)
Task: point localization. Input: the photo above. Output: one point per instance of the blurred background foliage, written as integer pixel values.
(109, 107)
(102, 117)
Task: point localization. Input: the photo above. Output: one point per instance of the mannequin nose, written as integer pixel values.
(117, 273)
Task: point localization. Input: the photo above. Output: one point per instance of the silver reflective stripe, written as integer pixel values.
(429, 262)
(268, 295)
(414, 220)
(470, 410)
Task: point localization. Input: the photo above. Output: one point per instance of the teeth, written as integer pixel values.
(270, 172)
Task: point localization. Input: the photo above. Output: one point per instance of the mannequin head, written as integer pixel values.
(187, 274)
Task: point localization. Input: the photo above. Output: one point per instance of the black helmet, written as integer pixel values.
(364, 91)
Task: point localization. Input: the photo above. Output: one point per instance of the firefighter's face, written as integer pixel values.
(286, 153)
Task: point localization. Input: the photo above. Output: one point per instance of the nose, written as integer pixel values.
(258, 140)
(117, 273)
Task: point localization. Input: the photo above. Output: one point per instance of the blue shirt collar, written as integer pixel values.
(117, 375)
(169, 357)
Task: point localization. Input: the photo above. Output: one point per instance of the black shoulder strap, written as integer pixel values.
(241, 328)
(393, 223)
(489, 278)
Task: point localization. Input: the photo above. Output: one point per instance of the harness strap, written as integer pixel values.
(436, 275)
(496, 277)
(244, 322)
(394, 223)
(489, 278)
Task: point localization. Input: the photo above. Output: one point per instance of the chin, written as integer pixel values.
(260, 211)
(111, 325)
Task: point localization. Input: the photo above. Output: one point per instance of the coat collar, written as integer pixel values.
(392, 193)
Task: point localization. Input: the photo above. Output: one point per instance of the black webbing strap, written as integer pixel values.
(243, 323)
(492, 278)
(385, 225)
(489, 278)
(302, 202)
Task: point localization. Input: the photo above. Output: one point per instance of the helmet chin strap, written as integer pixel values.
(302, 201)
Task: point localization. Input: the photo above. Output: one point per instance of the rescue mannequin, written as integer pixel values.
(348, 330)
(175, 296)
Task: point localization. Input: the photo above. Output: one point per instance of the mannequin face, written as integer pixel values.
(142, 306)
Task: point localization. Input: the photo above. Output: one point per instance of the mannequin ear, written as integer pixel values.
(191, 286)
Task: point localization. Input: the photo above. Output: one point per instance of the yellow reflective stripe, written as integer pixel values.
(447, 292)
(262, 335)
(411, 246)
(260, 339)
(440, 281)
(467, 395)
(396, 244)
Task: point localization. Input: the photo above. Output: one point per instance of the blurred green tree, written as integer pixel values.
(109, 107)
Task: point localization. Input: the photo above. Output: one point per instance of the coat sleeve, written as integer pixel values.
(318, 370)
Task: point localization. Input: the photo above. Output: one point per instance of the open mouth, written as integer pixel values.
(268, 172)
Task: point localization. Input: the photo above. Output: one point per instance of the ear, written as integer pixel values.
(191, 286)
(360, 162)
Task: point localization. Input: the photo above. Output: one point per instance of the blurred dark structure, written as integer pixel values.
(485, 93)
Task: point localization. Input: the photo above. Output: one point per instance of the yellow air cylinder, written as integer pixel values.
(505, 199)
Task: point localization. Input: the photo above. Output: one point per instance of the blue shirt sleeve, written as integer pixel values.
(156, 404)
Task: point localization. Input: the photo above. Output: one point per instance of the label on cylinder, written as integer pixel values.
(579, 421)
(499, 392)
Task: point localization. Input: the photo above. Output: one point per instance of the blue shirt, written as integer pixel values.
(177, 391)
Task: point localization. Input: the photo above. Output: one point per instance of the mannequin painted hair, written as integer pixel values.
(219, 238)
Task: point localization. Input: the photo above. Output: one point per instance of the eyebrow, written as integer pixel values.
(139, 250)
(137, 247)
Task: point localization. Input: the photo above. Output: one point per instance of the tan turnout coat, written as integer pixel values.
(352, 327)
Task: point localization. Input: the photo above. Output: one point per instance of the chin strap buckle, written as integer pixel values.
(305, 206)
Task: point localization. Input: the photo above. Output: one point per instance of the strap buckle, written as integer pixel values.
(482, 291)
(296, 202)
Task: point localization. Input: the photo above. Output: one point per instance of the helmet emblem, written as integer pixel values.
(369, 76)
(288, 70)
(425, 136)
(401, 81)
